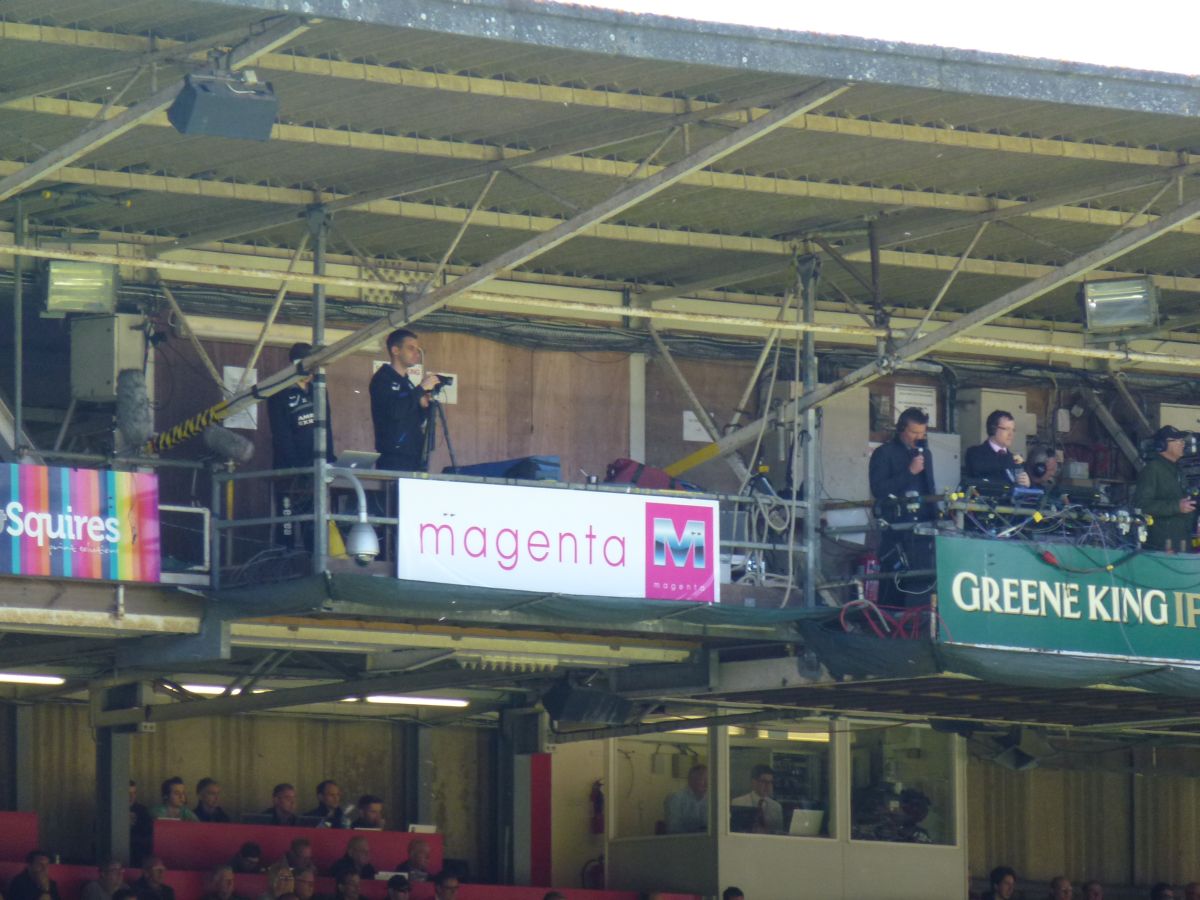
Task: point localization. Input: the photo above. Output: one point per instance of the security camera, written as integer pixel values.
(362, 543)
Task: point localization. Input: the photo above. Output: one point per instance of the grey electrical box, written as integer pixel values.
(101, 348)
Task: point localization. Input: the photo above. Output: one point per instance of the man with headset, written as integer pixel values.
(1161, 492)
(993, 460)
(901, 477)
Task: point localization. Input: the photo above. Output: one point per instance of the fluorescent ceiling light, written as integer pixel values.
(418, 701)
(18, 678)
(208, 689)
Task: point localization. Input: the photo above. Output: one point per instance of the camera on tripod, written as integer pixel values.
(443, 381)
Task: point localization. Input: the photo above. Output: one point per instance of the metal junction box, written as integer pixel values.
(101, 348)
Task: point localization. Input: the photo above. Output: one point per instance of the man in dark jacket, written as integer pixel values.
(293, 419)
(399, 408)
(151, 885)
(1162, 493)
(34, 883)
(901, 476)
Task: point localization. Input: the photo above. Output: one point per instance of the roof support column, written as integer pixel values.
(808, 272)
(318, 227)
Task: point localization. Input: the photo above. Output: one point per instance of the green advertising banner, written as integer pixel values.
(1116, 604)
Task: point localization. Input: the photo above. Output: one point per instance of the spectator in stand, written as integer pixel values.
(369, 812)
(555, 895)
(283, 805)
(141, 828)
(151, 885)
(34, 881)
(417, 864)
(248, 860)
(445, 886)
(1191, 891)
(1004, 883)
(1162, 891)
(124, 892)
(1093, 890)
(280, 881)
(1060, 888)
(208, 801)
(329, 806)
(174, 802)
(299, 855)
(733, 893)
(220, 885)
(306, 882)
(347, 887)
(357, 859)
(110, 875)
(397, 888)
(687, 810)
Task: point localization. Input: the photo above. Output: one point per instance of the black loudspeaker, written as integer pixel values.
(222, 106)
(566, 703)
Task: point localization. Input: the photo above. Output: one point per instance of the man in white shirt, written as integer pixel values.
(770, 814)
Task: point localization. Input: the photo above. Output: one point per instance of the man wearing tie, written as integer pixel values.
(769, 819)
(993, 460)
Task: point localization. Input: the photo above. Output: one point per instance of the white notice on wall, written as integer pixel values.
(922, 396)
(246, 418)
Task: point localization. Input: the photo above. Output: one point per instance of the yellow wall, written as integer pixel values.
(574, 768)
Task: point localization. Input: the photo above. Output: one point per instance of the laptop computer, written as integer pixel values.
(357, 459)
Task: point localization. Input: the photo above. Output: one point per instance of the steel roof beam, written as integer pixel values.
(1001, 306)
(103, 132)
(951, 136)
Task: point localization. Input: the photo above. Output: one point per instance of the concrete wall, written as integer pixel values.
(574, 768)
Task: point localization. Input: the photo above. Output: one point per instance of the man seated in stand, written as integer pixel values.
(357, 859)
(397, 888)
(208, 801)
(347, 887)
(769, 818)
(416, 867)
(329, 808)
(151, 885)
(732, 893)
(687, 810)
(1060, 888)
(110, 877)
(220, 885)
(34, 881)
(174, 802)
(445, 886)
(280, 882)
(369, 812)
(283, 805)
(299, 855)
(248, 859)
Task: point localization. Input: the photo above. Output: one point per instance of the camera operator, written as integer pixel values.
(399, 408)
(901, 476)
(1161, 492)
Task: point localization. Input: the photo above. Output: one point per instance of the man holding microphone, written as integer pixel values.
(993, 460)
(901, 475)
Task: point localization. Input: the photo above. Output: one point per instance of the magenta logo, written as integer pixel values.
(680, 552)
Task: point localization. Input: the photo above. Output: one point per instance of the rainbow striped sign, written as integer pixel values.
(79, 523)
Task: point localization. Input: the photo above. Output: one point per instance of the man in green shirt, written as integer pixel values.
(1162, 494)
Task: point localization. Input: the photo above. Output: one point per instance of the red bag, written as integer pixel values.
(630, 471)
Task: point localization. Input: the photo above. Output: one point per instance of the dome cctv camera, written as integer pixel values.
(362, 544)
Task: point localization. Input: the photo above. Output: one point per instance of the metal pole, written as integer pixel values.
(318, 226)
(810, 271)
(19, 335)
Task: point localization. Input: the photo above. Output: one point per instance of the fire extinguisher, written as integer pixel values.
(870, 586)
(597, 800)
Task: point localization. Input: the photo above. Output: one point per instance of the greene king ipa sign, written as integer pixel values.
(1058, 597)
(599, 543)
(79, 523)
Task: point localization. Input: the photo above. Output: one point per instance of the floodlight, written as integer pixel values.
(1118, 304)
(225, 105)
(80, 287)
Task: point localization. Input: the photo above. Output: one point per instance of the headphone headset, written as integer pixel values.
(995, 417)
(1162, 436)
(1036, 464)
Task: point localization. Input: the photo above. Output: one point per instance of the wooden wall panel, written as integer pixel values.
(1047, 822)
(719, 385)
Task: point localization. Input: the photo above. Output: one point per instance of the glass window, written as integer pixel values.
(779, 779)
(903, 785)
(662, 783)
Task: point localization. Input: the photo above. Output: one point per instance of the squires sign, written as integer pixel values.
(569, 542)
(1083, 599)
(79, 523)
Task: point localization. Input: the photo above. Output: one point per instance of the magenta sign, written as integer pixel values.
(680, 552)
